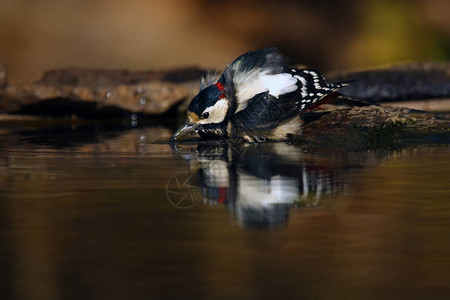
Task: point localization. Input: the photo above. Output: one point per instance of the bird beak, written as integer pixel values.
(182, 133)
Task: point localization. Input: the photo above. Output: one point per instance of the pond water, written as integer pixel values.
(118, 214)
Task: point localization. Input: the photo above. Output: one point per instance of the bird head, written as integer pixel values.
(206, 114)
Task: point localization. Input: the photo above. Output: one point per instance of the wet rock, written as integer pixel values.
(364, 127)
(116, 93)
(428, 80)
(147, 92)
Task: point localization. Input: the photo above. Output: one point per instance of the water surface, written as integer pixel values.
(114, 214)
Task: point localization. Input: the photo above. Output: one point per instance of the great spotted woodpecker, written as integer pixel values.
(257, 98)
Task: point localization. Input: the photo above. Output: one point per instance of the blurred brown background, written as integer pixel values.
(39, 35)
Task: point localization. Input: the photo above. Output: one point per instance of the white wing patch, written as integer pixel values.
(249, 84)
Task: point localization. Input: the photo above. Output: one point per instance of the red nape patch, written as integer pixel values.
(220, 87)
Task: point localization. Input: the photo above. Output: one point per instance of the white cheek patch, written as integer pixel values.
(217, 112)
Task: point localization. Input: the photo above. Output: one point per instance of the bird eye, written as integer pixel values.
(205, 115)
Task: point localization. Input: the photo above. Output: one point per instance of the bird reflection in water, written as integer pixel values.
(259, 183)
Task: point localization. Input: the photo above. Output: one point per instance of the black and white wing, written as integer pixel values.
(257, 72)
(265, 111)
(312, 88)
(265, 71)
